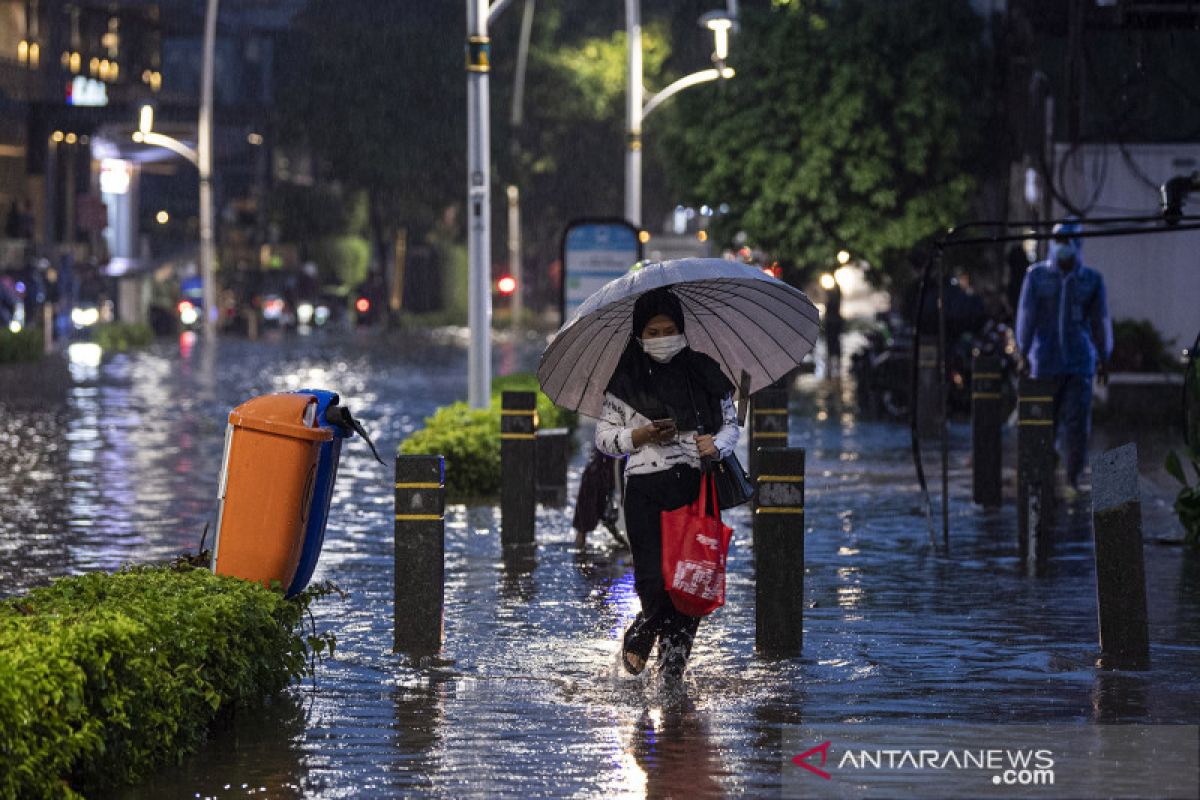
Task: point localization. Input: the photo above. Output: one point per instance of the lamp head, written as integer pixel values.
(720, 23)
(146, 119)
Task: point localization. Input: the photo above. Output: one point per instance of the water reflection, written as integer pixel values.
(674, 751)
(262, 759)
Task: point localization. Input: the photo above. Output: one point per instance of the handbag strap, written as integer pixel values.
(708, 493)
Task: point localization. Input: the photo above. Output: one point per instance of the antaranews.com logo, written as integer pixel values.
(1008, 767)
(1010, 761)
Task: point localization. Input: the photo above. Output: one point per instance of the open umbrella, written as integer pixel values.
(757, 327)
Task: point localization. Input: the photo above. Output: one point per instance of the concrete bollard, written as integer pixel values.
(1120, 571)
(768, 421)
(553, 452)
(420, 548)
(779, 552)
(1035, 469)
(986, 422)
(929, 389)
(518, 472)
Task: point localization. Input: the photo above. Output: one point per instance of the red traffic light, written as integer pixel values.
(362, 305)
(506, 285)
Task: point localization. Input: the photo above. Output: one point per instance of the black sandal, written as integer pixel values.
(636, 646)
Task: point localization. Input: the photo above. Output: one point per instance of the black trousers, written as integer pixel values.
(646, 497)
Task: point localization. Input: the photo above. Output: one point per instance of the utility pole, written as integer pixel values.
(479, 221)
(204, 164)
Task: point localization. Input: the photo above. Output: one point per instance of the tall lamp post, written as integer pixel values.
(204, 164)
(636, 111)
(201, 159)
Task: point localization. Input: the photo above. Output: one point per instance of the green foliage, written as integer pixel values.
(850, 124)
(104, 677)
(118, 337)
(469, 439)
(23, 346)
(343, 259)
(1187, 502)
(1139, 347)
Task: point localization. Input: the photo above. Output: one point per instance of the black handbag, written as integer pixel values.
(732, 482)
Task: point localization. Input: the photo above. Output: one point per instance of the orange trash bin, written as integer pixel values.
(267, 476)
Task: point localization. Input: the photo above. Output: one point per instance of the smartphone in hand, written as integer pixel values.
(666, 429)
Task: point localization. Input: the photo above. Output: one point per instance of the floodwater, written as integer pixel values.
(121, 465)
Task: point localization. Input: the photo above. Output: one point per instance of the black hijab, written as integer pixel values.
(688, 388)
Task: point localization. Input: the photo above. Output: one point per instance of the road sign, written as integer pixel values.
(594, 252)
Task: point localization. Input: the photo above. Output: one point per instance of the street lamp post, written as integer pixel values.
(204, 164)
(636, 110)
(201, 159)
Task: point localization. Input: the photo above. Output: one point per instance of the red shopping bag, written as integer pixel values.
(694, 549)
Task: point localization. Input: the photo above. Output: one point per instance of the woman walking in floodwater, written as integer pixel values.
(660, 408)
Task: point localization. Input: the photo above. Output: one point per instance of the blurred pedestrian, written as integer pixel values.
(1064, 335)
(833, 326)
(661, 395)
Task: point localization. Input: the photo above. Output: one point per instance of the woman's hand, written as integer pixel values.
(704, 443)
(655, 433)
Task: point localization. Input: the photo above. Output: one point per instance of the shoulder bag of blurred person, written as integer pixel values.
(695, 545)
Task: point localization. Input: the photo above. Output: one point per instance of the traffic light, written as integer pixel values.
(506, 285)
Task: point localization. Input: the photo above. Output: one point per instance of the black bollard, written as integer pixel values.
(552, 454)
(929, 389)
(779, 552)
(518, 472)
(768, 421)
(420, 547)
(986, 442)
(1035, 470)
(1120, 572)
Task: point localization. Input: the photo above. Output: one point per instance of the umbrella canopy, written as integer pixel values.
(757, 327)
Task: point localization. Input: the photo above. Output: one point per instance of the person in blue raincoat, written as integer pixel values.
(1065, 336)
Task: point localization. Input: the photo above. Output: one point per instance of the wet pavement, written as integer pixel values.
(528, 701)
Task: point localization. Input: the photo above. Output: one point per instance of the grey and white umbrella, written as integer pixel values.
(757, 327)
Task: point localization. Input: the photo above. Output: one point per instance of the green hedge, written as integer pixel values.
(104, 677)
(469, 439)
(23, 346)
(117, 337)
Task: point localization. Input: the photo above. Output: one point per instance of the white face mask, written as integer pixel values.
(663, 348)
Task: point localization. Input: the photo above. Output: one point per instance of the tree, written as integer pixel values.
(376, 92)
(850, 125)
(568, 156)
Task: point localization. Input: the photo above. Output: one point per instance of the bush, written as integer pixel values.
(469, 439)
(118, 337)
(23, 346)
(106, 677)
(1139, 347)
(549, 415)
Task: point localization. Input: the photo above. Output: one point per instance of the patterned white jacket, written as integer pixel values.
(614, 437)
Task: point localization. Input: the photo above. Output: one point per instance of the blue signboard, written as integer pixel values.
(594, 252)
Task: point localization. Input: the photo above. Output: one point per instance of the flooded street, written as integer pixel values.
(528, 700)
